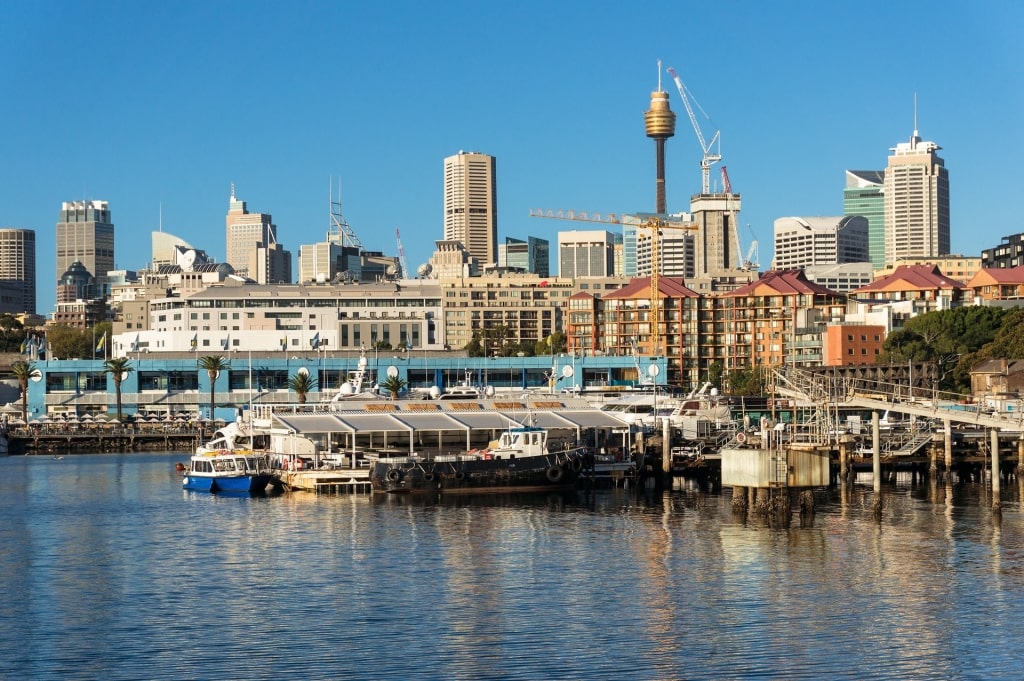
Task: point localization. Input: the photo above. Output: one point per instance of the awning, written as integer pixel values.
(436, 421)
(484, 420)
(547, 419)
(312, 423)
(592, 419)
(379, 423)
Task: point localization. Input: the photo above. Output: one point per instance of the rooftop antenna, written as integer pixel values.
(915, 114)
(161, 227)
(232, 191)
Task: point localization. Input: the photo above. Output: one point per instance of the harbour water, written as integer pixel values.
(110, 571)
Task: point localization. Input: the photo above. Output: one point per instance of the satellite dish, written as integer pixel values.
(392, 371)
(653, 370)
(567, 371)
(303, 371)
(424, 270)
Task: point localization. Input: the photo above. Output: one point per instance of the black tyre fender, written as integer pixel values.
(394, 475)
(556, 473)
(429, 477)
(577, 465)
(460, 476)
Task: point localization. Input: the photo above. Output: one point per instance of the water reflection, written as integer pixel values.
(111, 571)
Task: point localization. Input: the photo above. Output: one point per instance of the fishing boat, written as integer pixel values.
(518, 461)
(222, 466)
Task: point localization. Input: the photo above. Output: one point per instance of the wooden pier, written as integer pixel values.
(37, 441)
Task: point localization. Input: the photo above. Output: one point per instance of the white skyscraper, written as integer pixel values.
(916, 201)
(471, 204)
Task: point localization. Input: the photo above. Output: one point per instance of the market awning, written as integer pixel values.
(312, 423)
(592, 419)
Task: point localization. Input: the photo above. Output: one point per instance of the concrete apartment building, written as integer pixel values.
(587, 253)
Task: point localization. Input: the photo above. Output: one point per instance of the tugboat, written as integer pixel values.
(519, 461)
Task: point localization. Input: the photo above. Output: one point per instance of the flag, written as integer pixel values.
(316, 340)
(135, 345)
(226, 343)
(102, 344)
(195, 341)
(24, 346)
(284, 343)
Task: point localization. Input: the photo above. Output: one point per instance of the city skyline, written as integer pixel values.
(562, 112)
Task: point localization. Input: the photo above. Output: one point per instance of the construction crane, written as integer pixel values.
(712, 151)
(749, 263)
(405, 273)
(655, 223)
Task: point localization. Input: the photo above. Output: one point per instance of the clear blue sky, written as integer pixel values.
(147, 104)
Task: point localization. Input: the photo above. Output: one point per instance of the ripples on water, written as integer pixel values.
(111, 571)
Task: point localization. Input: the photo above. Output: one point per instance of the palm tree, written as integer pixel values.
(118, 368)
(23, 372)
(302, 384)
(213, 364)
(394, 385)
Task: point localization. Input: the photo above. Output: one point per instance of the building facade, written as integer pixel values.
(85, 234)
(808, 241)
(17, 270)
(864, 195)
(1009, 253)
(586, 253)
(916, 201)
(471, 204)
(532, 256)
(252, 248)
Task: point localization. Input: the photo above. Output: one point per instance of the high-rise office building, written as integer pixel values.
(252, 248)
(471, 204)
(808, 241)
(17, 270)
(532, 255)
(587, 253)
(85, 234)
(916, 201)
(864, 195)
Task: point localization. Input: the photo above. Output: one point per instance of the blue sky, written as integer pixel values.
(166, 104)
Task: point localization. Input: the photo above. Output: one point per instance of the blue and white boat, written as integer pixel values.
(221, 466)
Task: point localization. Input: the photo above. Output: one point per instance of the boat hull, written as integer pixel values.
(253, 484)
(555, 471)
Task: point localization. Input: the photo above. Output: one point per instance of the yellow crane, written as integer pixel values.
(655, 223)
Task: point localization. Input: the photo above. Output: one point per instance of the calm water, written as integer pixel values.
(111, 571)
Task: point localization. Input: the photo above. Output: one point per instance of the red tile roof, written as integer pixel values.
(912, 278)
(640, 287)
(781, 282)
(1001, 275)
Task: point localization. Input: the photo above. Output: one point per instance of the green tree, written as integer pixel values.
(118, 368)
(9, 323)
(554, 344)
(66, 342)
(23, 372)
(394, 385)
(302, 383)
(213, 365)
(749, 381)
(954, 340)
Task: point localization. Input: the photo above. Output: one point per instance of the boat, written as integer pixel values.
(518, 461)
(222, 466)
(681, 410)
